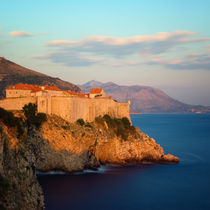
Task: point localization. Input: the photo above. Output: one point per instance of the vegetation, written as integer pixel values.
(81, 122)
(34, 118)
(5, 186)
(121, 127)
(1, 129)
(11, 121)
(88, 125)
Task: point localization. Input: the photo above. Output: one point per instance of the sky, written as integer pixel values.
(163, 44)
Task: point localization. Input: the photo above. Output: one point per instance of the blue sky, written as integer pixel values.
(164, 43)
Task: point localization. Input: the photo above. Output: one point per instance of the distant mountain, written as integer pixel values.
(144, 99)
(12, 73)
(92, 83)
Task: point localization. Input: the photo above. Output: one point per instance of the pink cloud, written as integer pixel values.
(20, 34)
(23, 34)
(161, 36)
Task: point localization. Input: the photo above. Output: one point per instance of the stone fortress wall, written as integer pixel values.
(13, 104)
(71, 108)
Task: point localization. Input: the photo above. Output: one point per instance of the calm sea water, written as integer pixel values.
(153, 186)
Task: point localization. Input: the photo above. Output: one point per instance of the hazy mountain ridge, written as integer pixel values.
(12, 73)
(144, 99)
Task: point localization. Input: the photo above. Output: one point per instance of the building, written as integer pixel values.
(69, 105)
(97, 92)
(26, 90)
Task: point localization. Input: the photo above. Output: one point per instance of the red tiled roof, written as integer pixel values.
(96, 90)
(83, 95)
(33, 88)
(47, 87)
(71, 92)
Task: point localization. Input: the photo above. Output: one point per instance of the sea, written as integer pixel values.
(185, 185)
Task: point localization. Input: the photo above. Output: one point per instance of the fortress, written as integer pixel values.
(69, 105)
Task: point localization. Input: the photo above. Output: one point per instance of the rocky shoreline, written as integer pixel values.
(69, 147)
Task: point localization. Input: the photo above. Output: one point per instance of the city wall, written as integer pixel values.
(13, 104)
(71, 108)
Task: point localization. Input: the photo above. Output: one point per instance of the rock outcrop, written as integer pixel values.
(102, 142)
(19, 188)
(60, 145)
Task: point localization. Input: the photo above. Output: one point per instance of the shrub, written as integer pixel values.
(4, 184)
(121, 127)
(40, 118)
(66, 127)
(34, 118)
(99, 120)
(110, 122)
(126, 122)
(30, 110)
(88, 125)
(8, 118)
(81, 122)
(11, 121)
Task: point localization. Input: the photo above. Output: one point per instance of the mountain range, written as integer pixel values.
(144, 99)
(12, 73)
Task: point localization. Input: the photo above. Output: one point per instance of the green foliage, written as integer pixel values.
(30, 110)
(99, 120)
(81, 122)
(4, 184)
(66, 127)
(126, 122)
(88, 125)
(8, 118)
(121, 127)
(11, 121)
(40, 118)
(110, 121)
(34, 118)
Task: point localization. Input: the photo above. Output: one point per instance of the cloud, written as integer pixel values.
(189, 62)
(23, 34)
(121, 47)
(70, 59)
(116, 41)
(118, 51)
(20, 34)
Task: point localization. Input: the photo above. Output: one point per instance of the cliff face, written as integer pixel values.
(19, 188)
(60, 145)
(100, 140)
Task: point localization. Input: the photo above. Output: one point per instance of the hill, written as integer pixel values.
(12, 73)
(145, 99)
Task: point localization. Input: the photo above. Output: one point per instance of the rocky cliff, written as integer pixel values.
(109, 142)
(19, 188)
(60, 145)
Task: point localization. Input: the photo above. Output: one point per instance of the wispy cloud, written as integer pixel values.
(23, 34)
(20, 34)
(115, 50)
(119, 47)
(70, 59)
(189, 62)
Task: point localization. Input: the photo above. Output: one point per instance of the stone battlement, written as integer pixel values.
(69, 107)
